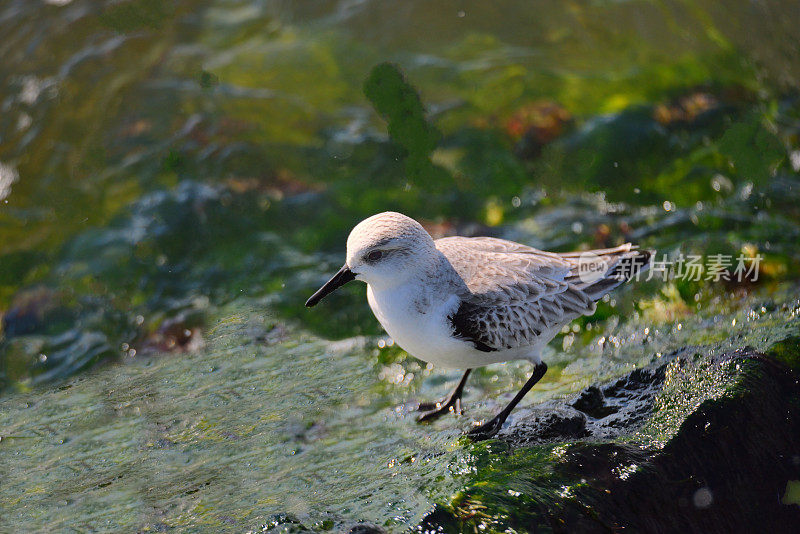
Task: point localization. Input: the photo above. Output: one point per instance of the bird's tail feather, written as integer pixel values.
(597, 272)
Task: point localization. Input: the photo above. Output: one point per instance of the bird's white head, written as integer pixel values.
(388, 247)
(383, 250)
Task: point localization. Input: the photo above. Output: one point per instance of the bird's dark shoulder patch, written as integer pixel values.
(466, 322)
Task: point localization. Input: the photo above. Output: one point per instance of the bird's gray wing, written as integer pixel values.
(512, 293)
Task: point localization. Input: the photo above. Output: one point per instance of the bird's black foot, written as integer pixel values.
(433, 410)
(492, 427)
(487, 430)
(451, 403)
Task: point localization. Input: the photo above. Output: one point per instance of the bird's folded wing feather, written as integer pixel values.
(514, 292)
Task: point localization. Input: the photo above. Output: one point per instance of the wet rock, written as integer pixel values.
(598, 411)
(546, 422)
(438, 520)
(592, 402)
(787, 351)
(366, 528)
(694, 443)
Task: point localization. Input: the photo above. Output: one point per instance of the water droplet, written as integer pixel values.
(720, 183)
(795, 160)
(703, 498)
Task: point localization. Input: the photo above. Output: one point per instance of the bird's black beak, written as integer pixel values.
(339, 279)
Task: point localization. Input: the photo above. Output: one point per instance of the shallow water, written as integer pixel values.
(176, 179)
(247, 432)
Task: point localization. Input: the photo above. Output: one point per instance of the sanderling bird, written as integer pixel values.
(466, 302)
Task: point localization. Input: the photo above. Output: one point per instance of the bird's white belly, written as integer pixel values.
(426, 334)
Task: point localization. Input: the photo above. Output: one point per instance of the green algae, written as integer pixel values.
(229, 436)
(564, 486)
(215, 440)
(787, 351)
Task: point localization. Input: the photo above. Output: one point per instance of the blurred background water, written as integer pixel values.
(175, 178)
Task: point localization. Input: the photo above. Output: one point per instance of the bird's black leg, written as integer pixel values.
(492, 427)
(432, 410)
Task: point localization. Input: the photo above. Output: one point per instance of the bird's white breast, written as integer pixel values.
(418, 323)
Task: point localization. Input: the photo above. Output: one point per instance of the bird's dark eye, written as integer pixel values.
(374, 256)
